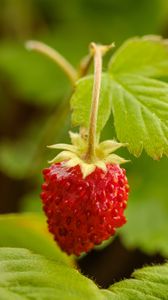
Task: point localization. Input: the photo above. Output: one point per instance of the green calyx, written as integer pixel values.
(76, 154)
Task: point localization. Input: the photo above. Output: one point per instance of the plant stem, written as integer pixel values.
(85, 64)
(97, 51)
(95, 101)
(56, 57)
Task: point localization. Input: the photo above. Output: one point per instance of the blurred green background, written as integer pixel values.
(34, 113)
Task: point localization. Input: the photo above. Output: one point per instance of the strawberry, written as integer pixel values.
(85, 191)
(84, 203)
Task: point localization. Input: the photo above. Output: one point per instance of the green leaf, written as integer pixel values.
(139, 100)
(24, 275)
(81, 102)
(30, 231)
(148, 283)
(146, 56)
(140, 109)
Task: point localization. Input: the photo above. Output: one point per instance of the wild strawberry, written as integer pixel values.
(84, 203)
(85, 190)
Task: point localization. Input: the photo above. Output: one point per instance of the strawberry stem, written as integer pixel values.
(95, 101)
(68, 69)
(97, 51)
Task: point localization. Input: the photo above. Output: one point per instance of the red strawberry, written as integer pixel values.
(83, 212)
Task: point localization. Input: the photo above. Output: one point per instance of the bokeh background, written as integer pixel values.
(34, 112)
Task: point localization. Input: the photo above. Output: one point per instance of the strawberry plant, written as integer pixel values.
(85, 190)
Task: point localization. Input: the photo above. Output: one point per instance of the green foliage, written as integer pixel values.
(30, 231)
(24, 275)
(140, 109)
(148, 283)
(138, 101)
(147, 56)
(40, 278)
